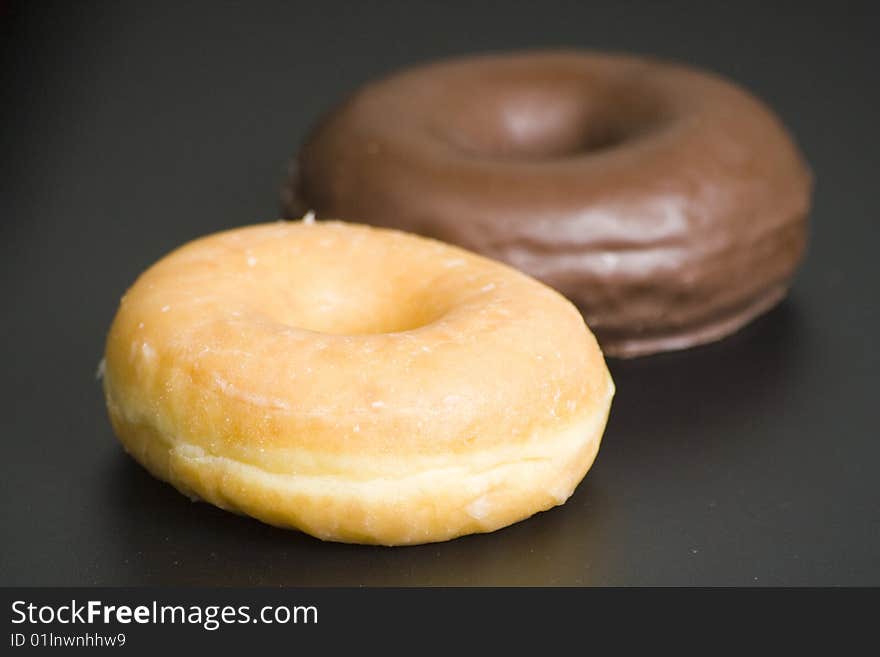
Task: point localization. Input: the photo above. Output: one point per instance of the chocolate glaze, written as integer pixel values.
(668, 204)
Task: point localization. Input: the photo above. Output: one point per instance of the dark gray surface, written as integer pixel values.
(131, 128)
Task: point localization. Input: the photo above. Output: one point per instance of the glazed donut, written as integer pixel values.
(360, 384)
(668, 204)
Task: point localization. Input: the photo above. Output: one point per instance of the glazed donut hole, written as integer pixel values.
(350, 302)
(343, 288)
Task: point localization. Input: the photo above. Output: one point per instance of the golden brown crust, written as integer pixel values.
(360, 384)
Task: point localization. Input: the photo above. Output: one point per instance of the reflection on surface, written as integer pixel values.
(711, 391)
(677, 421)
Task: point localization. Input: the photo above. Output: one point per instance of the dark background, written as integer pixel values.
(129, 128)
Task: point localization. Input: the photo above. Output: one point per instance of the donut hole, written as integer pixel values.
(519, 118)
(360, 310)
(549, 130)
(346, 293)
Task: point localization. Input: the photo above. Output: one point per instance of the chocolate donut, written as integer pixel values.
(667, 203)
